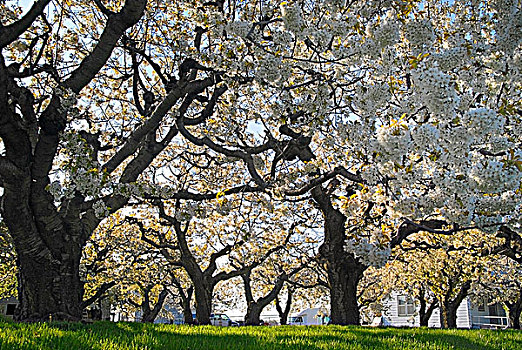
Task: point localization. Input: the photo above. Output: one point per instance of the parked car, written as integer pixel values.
(219, 320)
(296, 320)
(310, 317)
(222, 320)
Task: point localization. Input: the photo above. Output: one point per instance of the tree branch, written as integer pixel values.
(10, 33)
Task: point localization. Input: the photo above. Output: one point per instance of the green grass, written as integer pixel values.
(108, 336)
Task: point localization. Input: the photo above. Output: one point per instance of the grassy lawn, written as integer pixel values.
(106, 335)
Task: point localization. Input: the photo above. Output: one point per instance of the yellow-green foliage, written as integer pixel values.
(119, 336)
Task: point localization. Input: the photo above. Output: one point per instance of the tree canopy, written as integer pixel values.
(369, 121)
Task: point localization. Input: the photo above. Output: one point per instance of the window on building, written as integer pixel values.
(405, 305)
(10, 309)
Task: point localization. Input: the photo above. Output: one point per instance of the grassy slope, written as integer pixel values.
(107, 336)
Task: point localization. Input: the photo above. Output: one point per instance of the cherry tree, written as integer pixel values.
(80, 123)
(117, 265)
(417, 101)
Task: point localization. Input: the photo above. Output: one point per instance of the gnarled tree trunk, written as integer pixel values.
(255, 307)
(426, 311)
(150, 314)
(344, 275)
(49, 289)
(449, 305)
(185, 299)
(448, 316)
(203, 295)
(283, 313)
(343, 269)
(48, 239)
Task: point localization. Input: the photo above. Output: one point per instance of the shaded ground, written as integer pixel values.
(108, 336)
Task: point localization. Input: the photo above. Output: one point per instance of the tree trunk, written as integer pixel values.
(49, 290)
(426, 311)
(48, 238)
(203, 296)
(253, 315)
(343, 278)
(448, 316)
(515, 309)
(448, 306)
(185, 306)
(514, 318)
(254, 308)
(149, 315)
(343, 269)
(283, 314)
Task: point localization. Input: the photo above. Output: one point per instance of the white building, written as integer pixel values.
(400, 310)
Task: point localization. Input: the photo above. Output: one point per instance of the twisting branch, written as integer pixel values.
(10, 33)
(512, 246)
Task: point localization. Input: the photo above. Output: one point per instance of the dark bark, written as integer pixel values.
(185, 299)
(426, 311)
(48, 240)
(150, 314)
(514, 318)
(283, 313)
(203, 295)
(448, 316)
(255, 307)
(343, 269)
(98, 294)
(511, 247)
(10, 33)
(515, 310)
(185, 305)
(48, 292)
(344, 277)
(450, 303)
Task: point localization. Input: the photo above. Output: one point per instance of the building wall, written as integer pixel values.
(391, 313)
(479, 317)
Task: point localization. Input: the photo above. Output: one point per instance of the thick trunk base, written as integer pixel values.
(344, 309)
(514, 320)
(253, 317)
(203, 305)
(49, 291)
(448, 318)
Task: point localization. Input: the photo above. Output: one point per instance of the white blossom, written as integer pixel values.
(419, 33)
(483, 121)
(493, 176)
(239, 28)
(292, 17)
(100, 209)
(426, 135)
(368, 253)
(434, 89)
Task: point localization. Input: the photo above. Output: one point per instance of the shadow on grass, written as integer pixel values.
(108, 336)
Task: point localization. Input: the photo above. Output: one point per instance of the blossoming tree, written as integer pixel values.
(418, 101)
